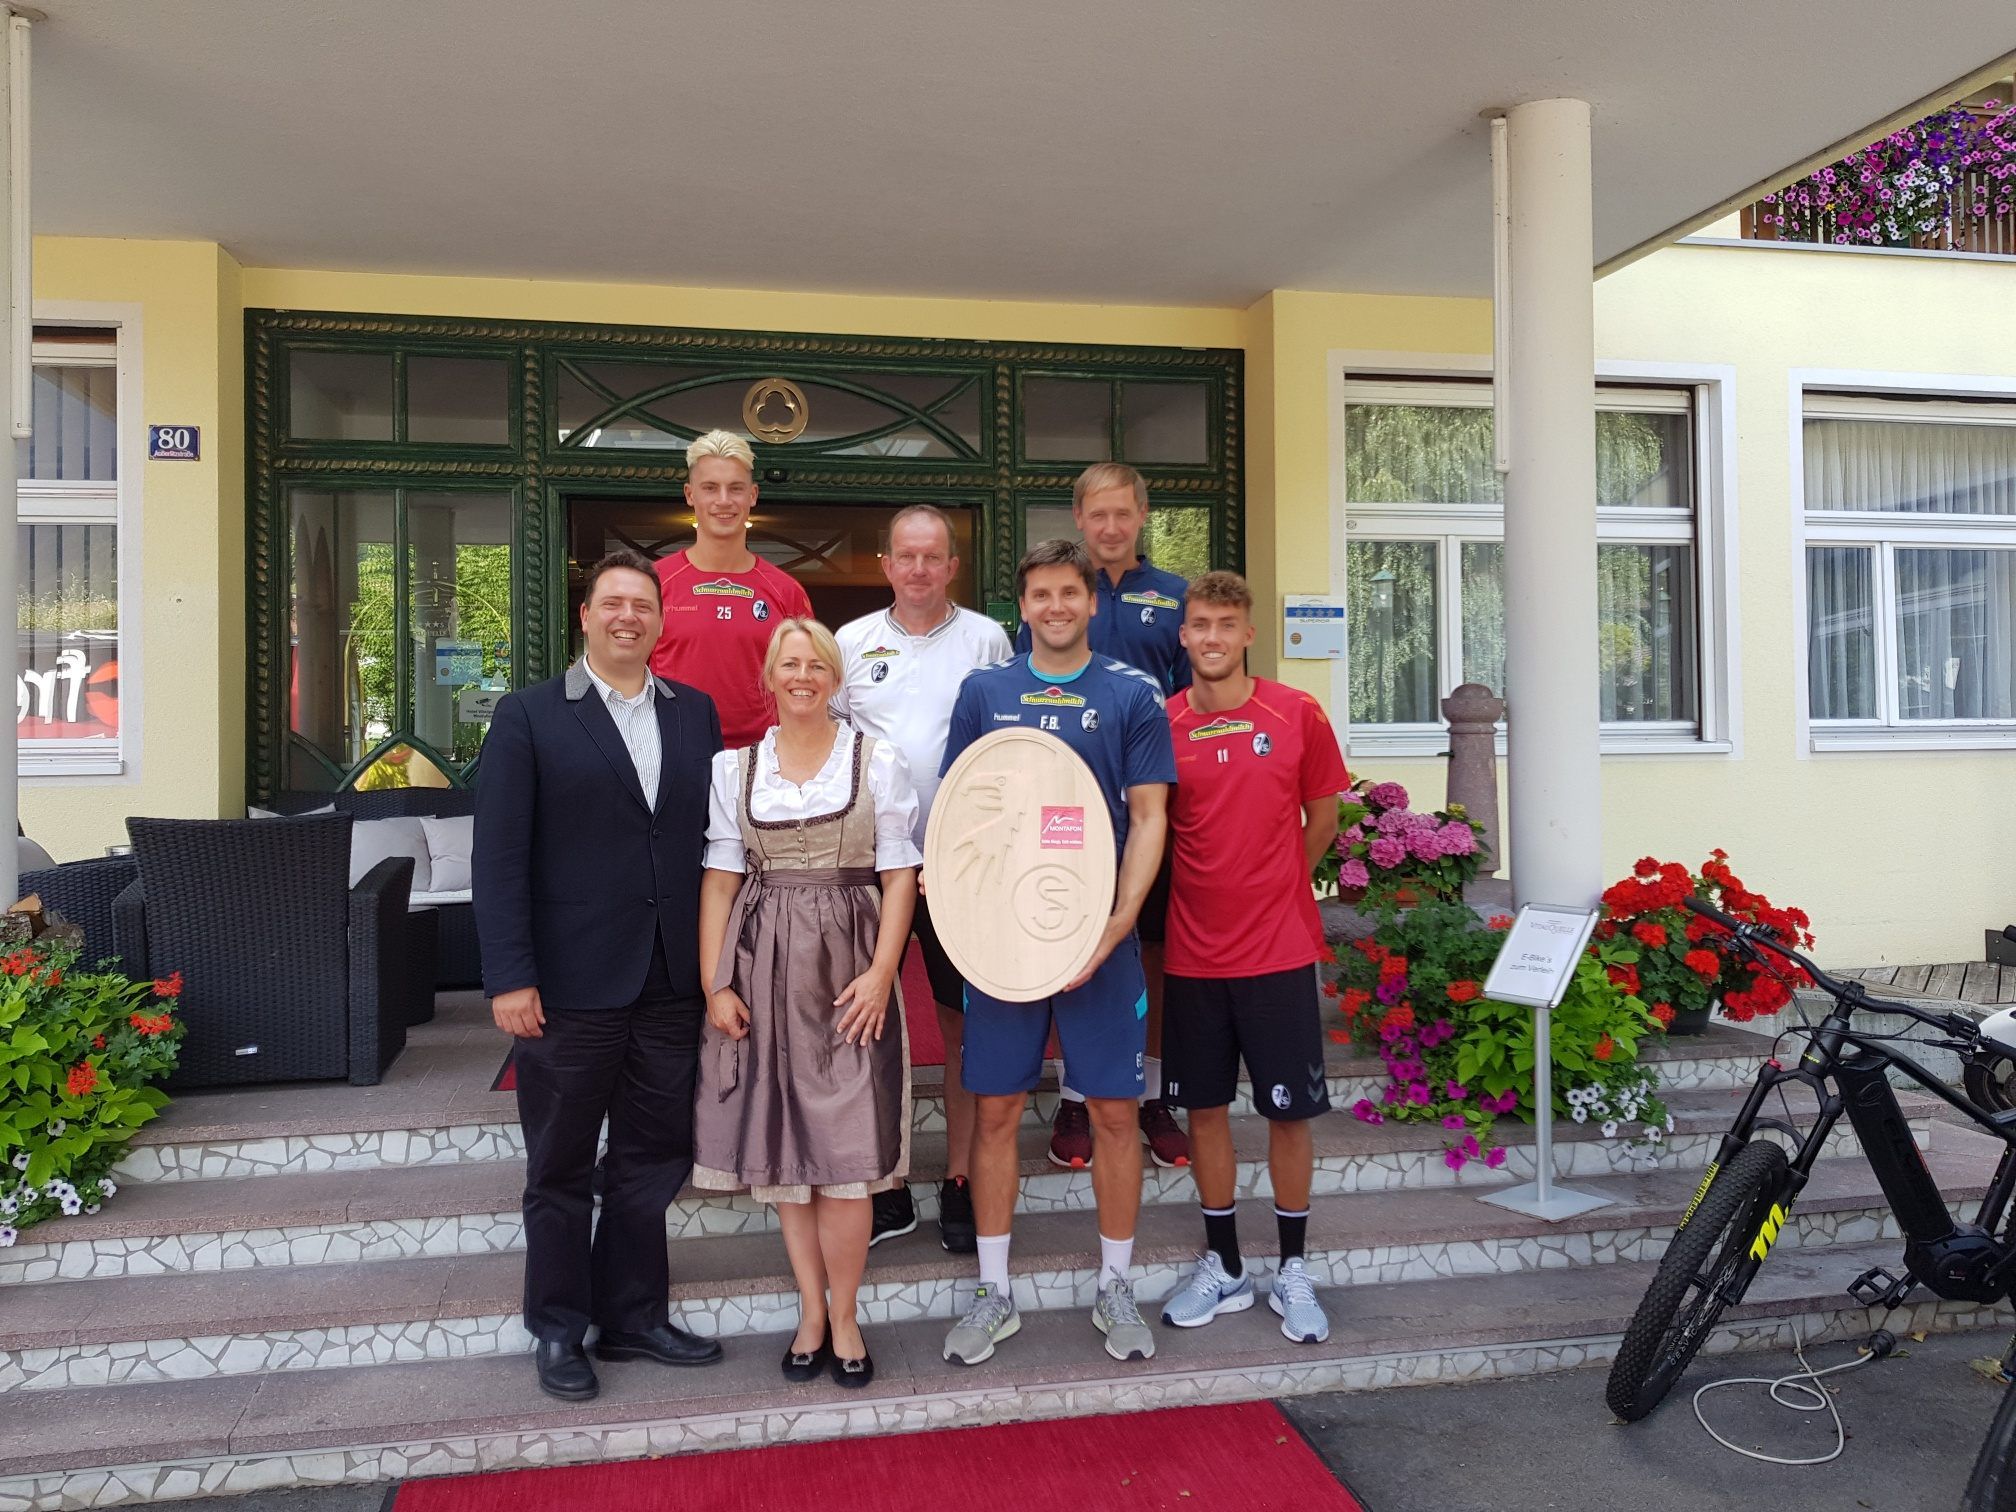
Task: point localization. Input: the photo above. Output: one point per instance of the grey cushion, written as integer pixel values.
(372, 840)
(449, 842)
(28, 856)
(253, 811)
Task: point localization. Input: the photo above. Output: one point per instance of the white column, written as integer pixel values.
(10, 609)
(1554, 778)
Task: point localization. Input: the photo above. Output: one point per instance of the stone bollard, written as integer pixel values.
(1473, 712)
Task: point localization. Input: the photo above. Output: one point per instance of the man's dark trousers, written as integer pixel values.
(636, 1064)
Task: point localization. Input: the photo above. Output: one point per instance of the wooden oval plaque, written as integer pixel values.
(1019, 864)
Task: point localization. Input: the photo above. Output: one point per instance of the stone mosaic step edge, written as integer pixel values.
(234, 1461)
(1045, 1188)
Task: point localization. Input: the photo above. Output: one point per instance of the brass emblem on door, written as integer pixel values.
(776, 410)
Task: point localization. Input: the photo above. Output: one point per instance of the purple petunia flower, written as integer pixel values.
(1455, 1159)
(1391, 990)
(1417, 1094)
(1452, 1121)
(1365, 1112)
(1458, 1091)
(1495, 1159)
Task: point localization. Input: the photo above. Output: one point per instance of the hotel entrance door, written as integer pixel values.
(833, 549)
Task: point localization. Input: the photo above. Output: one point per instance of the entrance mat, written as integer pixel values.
(1244, 1457)
(927, 1046)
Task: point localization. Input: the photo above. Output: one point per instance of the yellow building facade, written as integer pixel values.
(1895, 844)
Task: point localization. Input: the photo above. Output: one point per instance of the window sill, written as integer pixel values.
(1995, 738)
(81, 766)
(1436, 744)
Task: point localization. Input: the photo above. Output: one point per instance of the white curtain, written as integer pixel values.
(1841, 632)
(1911, 467)
(1956, 624)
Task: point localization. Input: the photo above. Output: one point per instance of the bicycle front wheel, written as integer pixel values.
(1992, 1487)
(1707, 1267)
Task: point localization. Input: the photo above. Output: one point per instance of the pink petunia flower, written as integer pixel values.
(1455, 1159)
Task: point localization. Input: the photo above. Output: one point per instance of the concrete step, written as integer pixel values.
(472, 1207)
(168, 1327)
(443, 1118)
(104, 1446)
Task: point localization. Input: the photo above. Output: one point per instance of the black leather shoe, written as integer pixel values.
(667, 1344)
(564, 1371)
(808, 1367)
(854, 1374)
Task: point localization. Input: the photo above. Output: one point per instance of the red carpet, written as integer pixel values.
(927, 1046)
(1241, 1458)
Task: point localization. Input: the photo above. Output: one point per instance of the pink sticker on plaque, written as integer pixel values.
(1063, 829)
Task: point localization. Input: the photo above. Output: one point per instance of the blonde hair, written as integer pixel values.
(1104, 475)
(823, 644)
(721, 443)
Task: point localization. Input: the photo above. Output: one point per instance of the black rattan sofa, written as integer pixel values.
(289, 973)
(457, 963)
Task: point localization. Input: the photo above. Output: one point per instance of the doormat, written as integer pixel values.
(927, 1046)
(1242, 1457)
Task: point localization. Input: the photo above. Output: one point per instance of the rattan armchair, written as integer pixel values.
(82, 892)
(288, 972)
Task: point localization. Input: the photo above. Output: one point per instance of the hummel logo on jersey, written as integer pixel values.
(1000, 718)
(1055, 698)
(880, 651)
(1222, 727)
(722, 588)
(1150, 600)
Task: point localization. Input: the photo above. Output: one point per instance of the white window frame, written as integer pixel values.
(1360, 377)
(1857, 395)
(62, 763)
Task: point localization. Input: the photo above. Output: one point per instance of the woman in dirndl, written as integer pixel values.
(804, 1093)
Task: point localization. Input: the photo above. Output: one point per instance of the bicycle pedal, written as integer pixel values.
(1876, 1287)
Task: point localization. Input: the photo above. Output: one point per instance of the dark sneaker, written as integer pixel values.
(895, 1214)
(955, 1217)
(1071, 1137)
(1167, 1142)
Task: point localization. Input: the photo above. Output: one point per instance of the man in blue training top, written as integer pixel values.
(1140, 622)
(1113, 716)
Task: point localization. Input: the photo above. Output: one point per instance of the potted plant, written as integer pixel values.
(1385, 850)
(80, 1052)
(1680, 972)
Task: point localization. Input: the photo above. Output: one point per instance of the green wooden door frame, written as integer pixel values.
(541, 471)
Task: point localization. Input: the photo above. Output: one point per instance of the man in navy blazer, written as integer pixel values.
(591, 819)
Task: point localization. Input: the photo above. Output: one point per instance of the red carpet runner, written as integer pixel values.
(927, 1046)
(1241, 1458)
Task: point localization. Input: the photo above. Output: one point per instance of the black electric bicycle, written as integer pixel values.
(1745, 1199)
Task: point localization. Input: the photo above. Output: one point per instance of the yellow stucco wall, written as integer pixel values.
(1923, 892)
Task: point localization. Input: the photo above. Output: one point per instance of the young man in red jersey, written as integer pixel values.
(721, 599)
(1258, 772)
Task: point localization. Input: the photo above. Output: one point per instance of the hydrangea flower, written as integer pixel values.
(1388, 852)
(1354, 873)
(1386, 795)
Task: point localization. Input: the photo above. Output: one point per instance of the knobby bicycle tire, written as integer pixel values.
(1992, 1486)
(1718, 1239)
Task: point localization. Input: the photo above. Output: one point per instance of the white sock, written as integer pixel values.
(994, 1260)
(1116, 1259)
(1068, 1095)
(1151, 1069)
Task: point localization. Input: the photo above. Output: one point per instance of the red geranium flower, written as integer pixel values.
(1498, 921)
(1625, 977)
(98, 1042)
(169, 986)
(1464, 991)
(83, 1078)
(1663, 1012)
(1704, 963)
(1401, 1017)
(1604, 1048)
(1648, 933)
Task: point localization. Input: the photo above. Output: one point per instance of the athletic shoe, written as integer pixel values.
(1167, 1142)
(1071, 1136)
(1208, 1292)
(1294, 1298)
(895, 1213)
(990, 1319)
(1116, 1316)
(955, 1216)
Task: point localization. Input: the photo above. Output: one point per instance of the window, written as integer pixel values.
(1424, 561)
(1910, 527)
(67, 687)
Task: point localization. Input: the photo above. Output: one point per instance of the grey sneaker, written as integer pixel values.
(1116, 1316)
(990, 1319)
(1207, 1293)
(1294, 1299)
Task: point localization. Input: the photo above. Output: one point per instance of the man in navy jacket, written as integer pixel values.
(591, 818)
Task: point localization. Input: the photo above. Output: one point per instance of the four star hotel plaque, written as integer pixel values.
(1020, 864)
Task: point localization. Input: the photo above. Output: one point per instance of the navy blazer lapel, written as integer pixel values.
(669, 741)
(601, 727)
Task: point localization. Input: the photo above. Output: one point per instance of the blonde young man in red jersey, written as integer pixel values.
(721, 599)
(1258, 772)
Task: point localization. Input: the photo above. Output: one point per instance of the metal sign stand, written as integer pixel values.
(1540, 1198)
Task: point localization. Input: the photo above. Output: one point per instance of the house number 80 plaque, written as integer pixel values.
(1019, 864)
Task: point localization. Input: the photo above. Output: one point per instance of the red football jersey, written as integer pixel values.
(717, 627)
(1240, 902)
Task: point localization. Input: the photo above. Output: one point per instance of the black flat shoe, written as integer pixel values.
(667, 1344)
(564, 1371)
(854, 1374)
(808, 1367)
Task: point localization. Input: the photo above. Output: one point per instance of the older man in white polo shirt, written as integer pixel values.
(902, 670)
